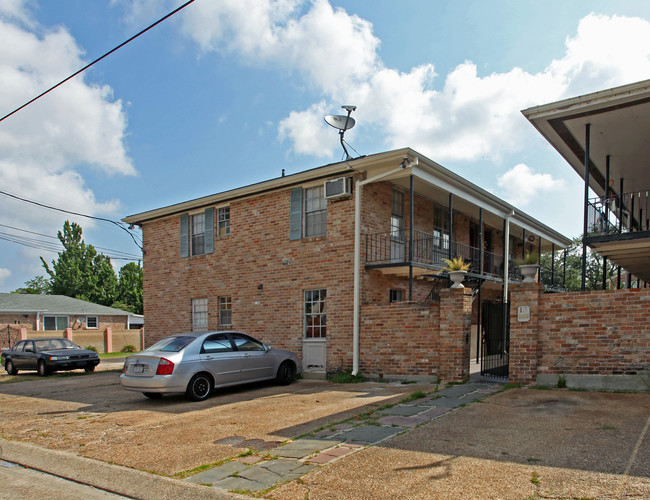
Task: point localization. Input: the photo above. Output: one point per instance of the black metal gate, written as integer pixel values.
(9, 335)
(495, 339)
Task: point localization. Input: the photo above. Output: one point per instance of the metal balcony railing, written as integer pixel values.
(618, 214)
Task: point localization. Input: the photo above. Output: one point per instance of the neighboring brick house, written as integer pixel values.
(35, 312)
(277, 260)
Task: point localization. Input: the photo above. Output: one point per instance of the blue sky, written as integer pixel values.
(231, 92)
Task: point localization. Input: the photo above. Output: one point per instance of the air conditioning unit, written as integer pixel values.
(338, 188)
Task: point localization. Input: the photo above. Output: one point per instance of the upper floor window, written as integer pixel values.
(197, 233)
(223, 221)
(315, 212)
(308, 215)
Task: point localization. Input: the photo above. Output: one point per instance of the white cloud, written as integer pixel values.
(46, 147)
(521, 185)
(459, 116)
(4, 275)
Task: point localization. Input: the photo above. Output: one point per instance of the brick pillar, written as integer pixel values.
(455, 333)
(23, 333)
(68, 333)
(109, 339)
(524, 331)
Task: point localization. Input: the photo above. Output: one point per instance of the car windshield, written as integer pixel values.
(45, 344)
(172, 344)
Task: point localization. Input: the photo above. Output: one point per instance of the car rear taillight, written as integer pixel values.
(165, 367)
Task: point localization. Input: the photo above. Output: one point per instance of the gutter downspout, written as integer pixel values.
(357, 257)
(506, 254)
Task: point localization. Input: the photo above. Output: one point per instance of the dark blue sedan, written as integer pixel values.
(47, 356)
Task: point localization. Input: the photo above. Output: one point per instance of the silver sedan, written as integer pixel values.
(197, 363)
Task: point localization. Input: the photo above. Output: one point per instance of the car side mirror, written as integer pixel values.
(267, 348)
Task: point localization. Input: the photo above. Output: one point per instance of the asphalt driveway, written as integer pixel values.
(521, 443)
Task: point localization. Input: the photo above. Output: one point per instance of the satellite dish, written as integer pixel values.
(340, 122)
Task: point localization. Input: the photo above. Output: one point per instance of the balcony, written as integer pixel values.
(428, 254)
(618, 228)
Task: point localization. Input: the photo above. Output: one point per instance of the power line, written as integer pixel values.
(116, 254)
(42, 205)
(98, 59)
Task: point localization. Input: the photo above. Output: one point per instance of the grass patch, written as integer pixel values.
(108, 355)
(535, 478)
(406, 382)
(541, 387)
(200, 468)
(561, 382)
(413, 396)
(533, 460)
(347, 378)
(511, 385)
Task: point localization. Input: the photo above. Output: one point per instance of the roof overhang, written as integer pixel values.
(618, 119)
(619, 123)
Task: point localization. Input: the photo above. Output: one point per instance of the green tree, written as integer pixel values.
(129, 288)
(81, 272)
(36, 286)
(573, 272)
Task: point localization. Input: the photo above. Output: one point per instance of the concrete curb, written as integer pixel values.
(114, 478)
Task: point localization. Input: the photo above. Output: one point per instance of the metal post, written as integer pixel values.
(564, 271)
(607, 189)
(618, 278)
(480, 241)
(586, 207)
(411, 209)
(605, 273)
(552, 265)
(523, 238)
(451, 224)
(620, 207)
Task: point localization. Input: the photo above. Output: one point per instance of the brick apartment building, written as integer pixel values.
(342, 264)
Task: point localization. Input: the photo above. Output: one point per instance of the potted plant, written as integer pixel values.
(529, 266)
(457, 269)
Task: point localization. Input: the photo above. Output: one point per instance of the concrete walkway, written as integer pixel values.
(256, 472)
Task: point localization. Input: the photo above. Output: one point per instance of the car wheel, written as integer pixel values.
(286, 373)
(42, 368)
(199, 387)
(11, 369)
(89, 369)
(153, 395)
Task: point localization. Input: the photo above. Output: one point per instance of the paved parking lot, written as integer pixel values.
(515, 444)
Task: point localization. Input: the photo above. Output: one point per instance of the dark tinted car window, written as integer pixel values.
(246, 343)
(172, 344)
(217, 343)
(19, 346)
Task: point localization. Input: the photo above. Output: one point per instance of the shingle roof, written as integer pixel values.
(60, 304)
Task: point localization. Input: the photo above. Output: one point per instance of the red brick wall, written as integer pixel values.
(400, 339)
(590, 333)
(455, 333)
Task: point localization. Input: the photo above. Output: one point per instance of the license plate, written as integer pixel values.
(139, 368)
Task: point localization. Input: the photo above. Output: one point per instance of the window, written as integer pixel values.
(55, 322)
(172, 344)
(199, 314)
(225, 311)
(223, 221)
(315, 315)
(91, 322)
(395, 296)
(315, 212)
(198, 234)
(217, 343)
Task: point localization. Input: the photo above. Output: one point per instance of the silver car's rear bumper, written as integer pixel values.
(157, 383)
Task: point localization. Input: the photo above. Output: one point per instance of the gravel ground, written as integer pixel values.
(521, 443)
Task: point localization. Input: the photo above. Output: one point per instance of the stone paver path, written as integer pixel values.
(287, 462)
